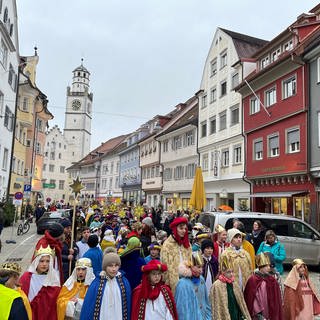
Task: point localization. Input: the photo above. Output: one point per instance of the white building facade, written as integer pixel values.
(220, 140)
(9, 62)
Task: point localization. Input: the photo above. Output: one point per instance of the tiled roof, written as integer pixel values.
(245, 45)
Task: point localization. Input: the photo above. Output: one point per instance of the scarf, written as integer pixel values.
(147, 290)
(225, 279)
(181, 241)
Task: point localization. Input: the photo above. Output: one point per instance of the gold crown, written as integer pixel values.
(11, 266)
(83, 263)
(47, 250)
(298, 262)
(262, 259)
(197, 259)
(202, 236)
(225, 263)
(219, 228)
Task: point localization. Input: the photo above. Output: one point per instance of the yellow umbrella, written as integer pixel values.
(198, 195)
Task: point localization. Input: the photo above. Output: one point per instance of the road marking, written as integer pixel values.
(22, 242)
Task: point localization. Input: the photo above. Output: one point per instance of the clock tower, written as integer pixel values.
(78, 115)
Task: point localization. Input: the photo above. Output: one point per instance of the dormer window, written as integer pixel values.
(264, 62)
(288, 46)
(275, 54)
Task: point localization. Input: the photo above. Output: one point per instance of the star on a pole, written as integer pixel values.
(76, 186)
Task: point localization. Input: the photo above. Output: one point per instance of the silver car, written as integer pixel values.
(299, 238)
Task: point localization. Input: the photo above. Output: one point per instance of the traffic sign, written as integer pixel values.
(17, 202)
(18, 195)
(27, 194)
(27, 187)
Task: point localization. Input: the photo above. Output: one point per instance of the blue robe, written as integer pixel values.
(96, 256)
(92, 298)
(192, 299)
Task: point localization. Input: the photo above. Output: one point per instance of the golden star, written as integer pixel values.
(76, 186)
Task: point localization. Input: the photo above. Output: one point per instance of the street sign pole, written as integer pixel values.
(11, 240)
(18, 201)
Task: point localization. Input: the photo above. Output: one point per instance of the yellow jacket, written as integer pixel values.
(7, 297)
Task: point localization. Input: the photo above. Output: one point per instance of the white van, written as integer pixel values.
(299, 238)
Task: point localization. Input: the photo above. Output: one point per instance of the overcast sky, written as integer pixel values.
(145, 56)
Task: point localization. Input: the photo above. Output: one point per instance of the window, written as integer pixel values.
(5, 159)
(8, 119)
(3, 54)
(254, 105)
(225, 158)
(110, 183)
(189, 138)
(178, 173)
(205, 162)
(213, 125)
(270, 97)
(59, 156)
(44, 167)
(165, 146)
(62, 169)
(223, 120)
(52, 156)
(318, 71)
(118, 167)
(275, 54)
(111, 168)
(204, 100)
(61, 184)
(176, 143)
(14, 164)
(167, 174)
(40, 125)
(273, 146)
(117, 183)
(51, 167)
(234, 115)
(237, 154)
(289, 87)
(223, 88)
(223, 59)
(203, 129)
(293, 140)
(213, 67)
(25, 104)
(288, 46)
(213, 94)
(190, 170)
(264, 62)
(258, 150)
(235, 80)
(38, 148)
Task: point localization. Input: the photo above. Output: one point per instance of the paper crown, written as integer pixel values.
(83, 263)
(154, 246)
(47, 250)
(11, 266)
(298, 262)
(219, 228)
(225, 263)
(262, 259)
(197, 259)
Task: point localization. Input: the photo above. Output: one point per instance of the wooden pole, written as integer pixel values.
(72, 230)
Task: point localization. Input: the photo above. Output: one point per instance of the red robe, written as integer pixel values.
(44, 304)
(273, 294)
(46, 240)
(216, 248)
(138, 313)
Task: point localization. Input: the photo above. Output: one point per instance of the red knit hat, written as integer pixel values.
(154, 265)
(178, 221)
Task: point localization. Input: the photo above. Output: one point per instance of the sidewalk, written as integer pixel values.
(22, 250)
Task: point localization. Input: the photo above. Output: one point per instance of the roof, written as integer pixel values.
(245, 45)
(81, 68)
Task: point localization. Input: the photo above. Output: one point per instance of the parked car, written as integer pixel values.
(51, 217)
(299, 238)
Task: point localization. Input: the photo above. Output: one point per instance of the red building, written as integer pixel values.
(275, 116)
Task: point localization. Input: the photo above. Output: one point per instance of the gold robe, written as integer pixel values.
(238, 261)
(219, 301)
(25, 302)
(172, 254)
(79, 290)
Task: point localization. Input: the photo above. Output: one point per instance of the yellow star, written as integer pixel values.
(76, 186)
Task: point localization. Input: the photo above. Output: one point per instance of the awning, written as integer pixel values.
(276, 194)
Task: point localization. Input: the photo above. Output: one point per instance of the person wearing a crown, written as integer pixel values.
(301, 301)
(191, 294)
(226, 296)
(262, 292)
(41, 283)
(72, 293)
(14, 304)
(152, 298)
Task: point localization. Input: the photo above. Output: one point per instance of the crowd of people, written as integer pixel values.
(155, 267)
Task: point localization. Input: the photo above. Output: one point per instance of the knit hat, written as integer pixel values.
(232, 233)
(147, 221)
(93, 240)
(133, 245)
(110, 257)
(207, 243)
(65, 223)
(55, 230)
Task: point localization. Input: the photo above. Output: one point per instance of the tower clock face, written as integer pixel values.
(76, 104)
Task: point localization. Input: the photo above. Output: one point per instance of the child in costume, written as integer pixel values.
(154, 250)
(109, 295)
(152, 298)
(72, 293)
(226, 296)
(41, 283)
(262, 292)
(301, 301)
(191, 293)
